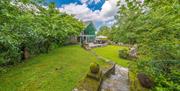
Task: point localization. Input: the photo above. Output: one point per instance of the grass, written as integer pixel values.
(59, 70)
(111, 52)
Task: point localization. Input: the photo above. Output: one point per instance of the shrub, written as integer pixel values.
(94, 67)
(165, 73)
(2, 70)
(21, 29)
(123, 54)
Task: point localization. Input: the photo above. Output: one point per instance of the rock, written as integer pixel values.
(26, 54)
(75, 89)
(97, 76)
(133, 51)
(117, 81)
(145, 80)
(120, 44)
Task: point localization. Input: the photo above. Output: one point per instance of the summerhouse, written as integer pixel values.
(89, 34)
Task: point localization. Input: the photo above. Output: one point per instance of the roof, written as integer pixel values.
(90, 29)
(101, 37)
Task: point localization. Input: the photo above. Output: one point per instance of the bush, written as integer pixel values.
(39, 33)
(165, 74)
(2, 70)
(94, 67)
(123, 54)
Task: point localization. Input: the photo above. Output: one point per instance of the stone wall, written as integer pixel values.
(92, 82)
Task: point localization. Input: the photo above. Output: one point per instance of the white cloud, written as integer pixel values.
(97, 1)
(82, 12)
(109, 8)
(84, 1)
(90, 1)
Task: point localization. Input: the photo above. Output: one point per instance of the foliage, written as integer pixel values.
(123, 53)
(105, 31)
(154, 26)
(153, 33)
(35, 29)
(165, 73)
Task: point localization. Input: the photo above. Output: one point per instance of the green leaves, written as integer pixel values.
(155, 29)
(36, 31)
(105, 31)
(156, 33)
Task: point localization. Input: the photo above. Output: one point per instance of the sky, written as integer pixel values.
(100, 12)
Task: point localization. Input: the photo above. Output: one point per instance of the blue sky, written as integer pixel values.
(100, 12)
(92, 4)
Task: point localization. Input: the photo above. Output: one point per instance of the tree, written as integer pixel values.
(154, 26)
(105, 31)
(37, 31)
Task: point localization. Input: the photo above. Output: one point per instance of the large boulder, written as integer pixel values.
(145, 80)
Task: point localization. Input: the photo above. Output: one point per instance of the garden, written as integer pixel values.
(59, 70)
(141, 51)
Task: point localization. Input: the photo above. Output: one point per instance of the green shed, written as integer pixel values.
(89, 34)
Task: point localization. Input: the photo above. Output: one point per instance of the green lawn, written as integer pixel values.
(59, 70)
(111, 52)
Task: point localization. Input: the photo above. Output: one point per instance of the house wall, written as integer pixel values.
(88, 35)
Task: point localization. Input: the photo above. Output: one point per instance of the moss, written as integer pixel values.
(134, 83)
(94, 67)
(96, 76)
(88, 84)
(133, 80)
(92, 81)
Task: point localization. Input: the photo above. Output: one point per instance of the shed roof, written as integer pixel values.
(101, 37)
(90, 29)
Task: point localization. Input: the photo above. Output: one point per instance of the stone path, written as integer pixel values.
(117, 82)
